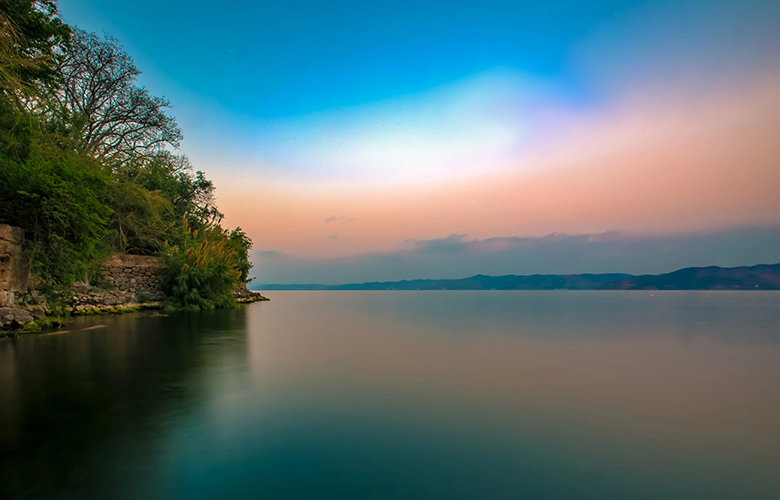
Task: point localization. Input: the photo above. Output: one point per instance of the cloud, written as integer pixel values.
(456, 129)
(458, 256)
(676, 140)
(343, 220)
(460, 243)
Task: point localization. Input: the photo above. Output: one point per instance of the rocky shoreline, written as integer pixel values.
(16, 320)
(29, 312)
(126, 283)
(119, 300)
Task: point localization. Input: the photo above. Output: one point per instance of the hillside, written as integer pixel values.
(761, 277)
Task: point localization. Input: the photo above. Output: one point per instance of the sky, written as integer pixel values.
(376, 141)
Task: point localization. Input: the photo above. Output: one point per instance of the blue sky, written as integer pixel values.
(273, 59)
(418, 120)
(241, 75)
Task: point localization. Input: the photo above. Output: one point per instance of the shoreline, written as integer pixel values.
(53, 323)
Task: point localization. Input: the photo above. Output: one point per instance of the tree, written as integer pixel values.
(86, 167)
(141, 219)
(190, 193)
(31, 39)
(116, 118)
(241, 243)
(55, 196)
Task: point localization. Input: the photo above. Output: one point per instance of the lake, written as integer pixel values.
(520, 394)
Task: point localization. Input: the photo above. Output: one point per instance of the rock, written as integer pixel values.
(15, 317)
(37, 312)
(22, 316)
(242, 293)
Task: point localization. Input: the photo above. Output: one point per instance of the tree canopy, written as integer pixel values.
(115, 117)
(88, 164)
(31, 39)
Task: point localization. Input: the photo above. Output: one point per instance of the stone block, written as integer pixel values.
(14, 262)
(15, 317)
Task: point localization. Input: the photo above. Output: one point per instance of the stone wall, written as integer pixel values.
(14, 265)
(102, 300)
(127, 281)
(15, 283)
(138, 274)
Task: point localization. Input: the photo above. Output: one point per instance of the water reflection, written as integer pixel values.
(78, 407)
(403, 395)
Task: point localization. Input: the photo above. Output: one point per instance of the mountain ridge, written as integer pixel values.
(762, 277)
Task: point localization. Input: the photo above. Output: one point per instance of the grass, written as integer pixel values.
(34, 326)
(117, 310)
(259, 298)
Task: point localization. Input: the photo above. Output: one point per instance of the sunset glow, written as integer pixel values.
(643, 121)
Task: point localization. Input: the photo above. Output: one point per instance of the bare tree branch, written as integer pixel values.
(121, 120)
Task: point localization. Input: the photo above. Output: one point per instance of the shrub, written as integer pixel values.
(202, 272)
(54, 197)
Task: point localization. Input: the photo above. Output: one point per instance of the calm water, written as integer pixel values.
(403, 395)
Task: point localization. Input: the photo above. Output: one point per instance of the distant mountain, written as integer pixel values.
(761, 277)
(478, 282)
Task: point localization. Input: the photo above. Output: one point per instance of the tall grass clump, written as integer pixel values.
(202, 270)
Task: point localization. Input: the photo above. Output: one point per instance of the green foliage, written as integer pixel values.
(108, 310)
(240, 243)
(87, 174)
(52, 322)
(202, 272)
(31, 38)
(141, 218)
(191, 195)
(56, 197)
